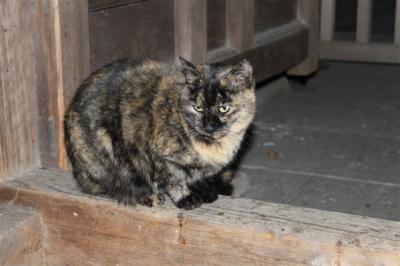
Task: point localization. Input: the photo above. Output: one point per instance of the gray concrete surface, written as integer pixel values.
(332, 144)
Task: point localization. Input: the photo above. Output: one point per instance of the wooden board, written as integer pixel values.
(272, 52)
(132, 29)
(350, 51)
(19, 146)
(86, 230)
(272, 13)
(20, 236)
(216, 24)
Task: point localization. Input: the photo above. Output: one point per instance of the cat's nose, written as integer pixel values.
(210, 128)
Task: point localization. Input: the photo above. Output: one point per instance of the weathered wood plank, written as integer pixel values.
(309, 14)
(71, 46)
(19, 148)
(364, 21)
(328, 10)
(350, 51)
(240, 24)
(273, 51)
(20, 236)
(136, 30)
(191, 29)
(270, 13)
(86, 230)
(216, 24)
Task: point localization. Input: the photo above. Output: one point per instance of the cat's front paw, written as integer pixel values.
(209, 196)
(190, 202)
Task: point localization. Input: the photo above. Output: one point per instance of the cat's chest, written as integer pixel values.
(219, 154)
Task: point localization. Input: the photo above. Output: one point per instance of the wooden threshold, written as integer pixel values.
(350, 51)
(85, 230)
(20, 236)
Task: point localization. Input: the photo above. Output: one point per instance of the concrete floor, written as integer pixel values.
(332, 144)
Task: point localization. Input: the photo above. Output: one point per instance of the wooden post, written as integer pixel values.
(308, 12)
(328, 11)
(191, 28)
(240, 24)
(71, 45)
(397, 24)
(364, 18)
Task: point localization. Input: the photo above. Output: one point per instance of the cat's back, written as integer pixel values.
(116, 80)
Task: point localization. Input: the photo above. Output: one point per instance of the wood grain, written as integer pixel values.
(20, 236)
(19, 146)
(191, 29)
(240, 24)
(309, 13)
(270, 13)
(138, 29)
(351, 51)
(82, 230)
(216, 24)
(273, 51)
(71, 44)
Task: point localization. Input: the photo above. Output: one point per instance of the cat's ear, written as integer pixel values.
(243, 74)
(189, 70)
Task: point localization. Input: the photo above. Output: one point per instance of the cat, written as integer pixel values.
(140, 130)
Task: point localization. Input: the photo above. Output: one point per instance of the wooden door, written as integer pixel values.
(274, 35)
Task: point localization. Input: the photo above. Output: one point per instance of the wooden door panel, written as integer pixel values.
(272, 13)
(216, 24)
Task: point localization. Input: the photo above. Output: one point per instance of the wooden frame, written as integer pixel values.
(362, 49)
(84, 230)
(55, 223)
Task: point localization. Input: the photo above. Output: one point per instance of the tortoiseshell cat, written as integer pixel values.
(137, 130)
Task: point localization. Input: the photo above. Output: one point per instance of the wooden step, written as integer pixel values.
(20, 236)
(86, 230)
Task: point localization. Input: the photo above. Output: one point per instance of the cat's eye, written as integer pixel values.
(224, 108)
(198, 108)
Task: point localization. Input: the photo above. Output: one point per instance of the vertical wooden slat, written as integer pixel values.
(328, 10)
(397, 24)
(240, 23)
(308, 12)
(191, 29)
(71, 45)
(364, 18)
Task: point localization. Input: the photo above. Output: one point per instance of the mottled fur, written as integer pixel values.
(137, 130)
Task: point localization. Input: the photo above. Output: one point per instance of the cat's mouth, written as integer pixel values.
(210, 136)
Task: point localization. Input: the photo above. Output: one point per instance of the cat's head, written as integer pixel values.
(217, 99)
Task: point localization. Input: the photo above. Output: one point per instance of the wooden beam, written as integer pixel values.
(191, 29)
(72, 65)
(20, 236)
(397, 24)
(364, 20)
(351, 51)
(240, 24)
(274, 50)
(83, 230)
(328, 11)
(308, 12)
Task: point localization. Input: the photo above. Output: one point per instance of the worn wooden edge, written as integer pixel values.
(238, 231)
(20, 236)
(275, 50)
(350, 51)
